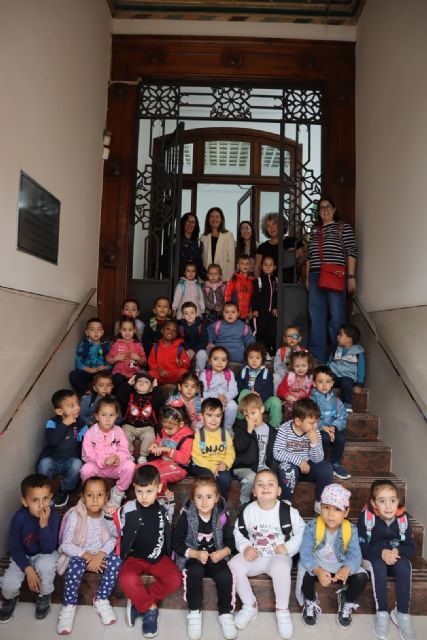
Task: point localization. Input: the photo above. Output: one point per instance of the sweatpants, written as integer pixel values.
(246, 478)
(167, 580)
(223, 477)
(278, 567)
(272, 405)
(123, 473)
(337, 445)
(379, 571)
(356, 584)
(145, 435)
(74, 575)
(45, 567)
(195, 571)
(290, 474)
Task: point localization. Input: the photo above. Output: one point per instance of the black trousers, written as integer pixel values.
(220, 573)
(356, 584)
(266, 328)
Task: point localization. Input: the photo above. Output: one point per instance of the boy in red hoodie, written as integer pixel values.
(240, 288)
(168, 360)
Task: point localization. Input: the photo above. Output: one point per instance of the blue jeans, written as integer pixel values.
(337, 445)
(327, 313)
(69, 468)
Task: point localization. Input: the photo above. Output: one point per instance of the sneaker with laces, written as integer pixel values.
(285, 628)
(194, 624)
(60, 498)
(7, 608)
(116, 497)
(105, 611)
(149, 623)
(42, 606)
(141, 460)
(66, 619)
(344, 609)
(404, 623)
(382, 625)
(317, 507)
(339, 471)
(310, 612)
(228, 628)
(131, 614)
(245, 616)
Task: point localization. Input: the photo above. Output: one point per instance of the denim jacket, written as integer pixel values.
(352, 559)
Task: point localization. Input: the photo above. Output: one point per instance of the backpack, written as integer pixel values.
(209, 374)
(181, 329)
(202, 438)
(180, 349)
(218, 327)
(402, 522)
(284, 518)
(345, 532)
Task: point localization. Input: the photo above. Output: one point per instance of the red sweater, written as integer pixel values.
(165, 356)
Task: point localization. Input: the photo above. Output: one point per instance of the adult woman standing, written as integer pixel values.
(190, 247)
(246, 243)
(331, 242)
(270, 228)
(218, 243)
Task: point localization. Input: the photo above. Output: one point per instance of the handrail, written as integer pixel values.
(73, 319)
(391, 357)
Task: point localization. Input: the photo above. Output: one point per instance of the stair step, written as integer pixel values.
(360, 400)
(362, 426)
(361, 457)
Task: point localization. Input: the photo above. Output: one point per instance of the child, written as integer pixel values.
(188, 290)
(291, 342)
(144, 545)
(173, 445)
(126, 354)
(90, 356)
(188, 393)
(102, 385)
(330, 553)
(268, 534)
(299, 452)
(264, 305)
(87, 542)
(203, 541)
(62, 452)
(213, 452)
(333, 418)
(139, 421)
(240, 288)
(106, 451)
(253, 442)
(219, 382)
(230, 333)
(193, 331)
(297, 382)
(213, 294)
(33, 540)
(162, 311)
(131, 309)
(347, 364)
(255, 377)
(168, 360)
(387, 544)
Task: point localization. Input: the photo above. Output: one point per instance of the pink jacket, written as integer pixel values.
(126, 367)
(98, 445)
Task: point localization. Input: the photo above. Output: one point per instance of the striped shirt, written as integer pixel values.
(332, 245)
(290, 447)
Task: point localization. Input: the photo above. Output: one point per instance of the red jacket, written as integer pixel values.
(181, 442)
(240, 289)
(165, 356)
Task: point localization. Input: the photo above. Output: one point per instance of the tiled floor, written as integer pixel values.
(172, 626)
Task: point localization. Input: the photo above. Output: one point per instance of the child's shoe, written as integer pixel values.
(403, 621)
(131, 614)
(348, 407)
(317, 507)
(116, 497)
(149, 623)
(66, 619)
(310, 612)
(194, 625)
(344, 609)
(42, 606)
(228, 628)
(60, 498)
(105, 611)
(285, 628)
(141, 460)
(339, 471)
(382, 625)
(245, 616)
(7, 608)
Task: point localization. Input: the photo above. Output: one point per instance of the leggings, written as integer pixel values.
(74, 575)
(220, 573)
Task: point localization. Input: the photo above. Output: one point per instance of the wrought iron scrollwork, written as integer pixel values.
(231, 103)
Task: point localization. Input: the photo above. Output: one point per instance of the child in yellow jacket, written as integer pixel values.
(213, 451)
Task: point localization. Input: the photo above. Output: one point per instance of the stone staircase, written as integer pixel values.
(367, 458)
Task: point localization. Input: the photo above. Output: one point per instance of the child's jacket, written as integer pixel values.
(151, 333)
(27, 538)
(332, 410)
(98, 445)
(63, 441)
(265, 294)
(351, 559)
(188, 291)
(218, 447)
(264, 384)
(181, 444)
(165, 356)
(240, 289)
(213, 295)
(247, 449)
(217, 383)
(130, 518)
(138, 408)
(385, 536)
(126, 367)
(292, 385)
(233, 336)
(290, 447)
(92, 354)
(195, 336)
(349, 363)
(88, 404)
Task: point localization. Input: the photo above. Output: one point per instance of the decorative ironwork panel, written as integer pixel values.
(231, 103)
(302, 106)
(159, 101)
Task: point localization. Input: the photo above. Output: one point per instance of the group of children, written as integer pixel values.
(213, 426)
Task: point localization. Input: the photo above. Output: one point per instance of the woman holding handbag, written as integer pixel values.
(331, 266)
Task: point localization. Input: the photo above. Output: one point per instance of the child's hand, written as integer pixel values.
(112, 460)
(223, 398)
(250, 553)
(210, 346)
(155, 449)
(274, 313)
(217, 556)
(291, 398)
(191, 353)
(173, 314)
(255, 314)
(179, 362)
(357, 389)
(162, 372)
(313, 436)
(222, 466)
(134, 356)
(96, 563)
(44, 517)
(32, 579)
(342, 575)
(109, 509)
(324, 577)
(304, 467)
(390, 556)
(330, 431)
(202, 556)
(281, 548)
(120, 357)
(131, 380)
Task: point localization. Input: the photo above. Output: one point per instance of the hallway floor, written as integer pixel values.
(172, 625)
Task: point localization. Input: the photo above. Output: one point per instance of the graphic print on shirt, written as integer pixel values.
(265, 537)
(157, 551)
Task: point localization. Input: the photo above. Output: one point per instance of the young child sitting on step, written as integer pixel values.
(91, 356)
(292, 339)
(168, 360)
(347, 363)
(131, 309)
(219, 382)
(297, 382)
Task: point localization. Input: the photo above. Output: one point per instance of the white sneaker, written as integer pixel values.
(285, 627)
(116, 497)
(141, 460)
(228, 628)
(66, 619)
(245, 616)
(317, 507)
(194, 625)
(104, 610)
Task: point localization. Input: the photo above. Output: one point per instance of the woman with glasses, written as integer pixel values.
(331, 243)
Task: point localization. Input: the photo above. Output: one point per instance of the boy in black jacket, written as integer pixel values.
(193, 331)
(253, 442)
(62, 452)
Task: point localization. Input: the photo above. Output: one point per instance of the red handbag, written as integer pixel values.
(332, 276)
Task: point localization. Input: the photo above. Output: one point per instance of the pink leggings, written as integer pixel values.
(278, 567)
(123, 473)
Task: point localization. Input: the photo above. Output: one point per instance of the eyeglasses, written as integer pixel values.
(325, 208)
(294, 336)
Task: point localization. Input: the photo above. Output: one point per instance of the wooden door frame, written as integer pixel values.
(256, 62)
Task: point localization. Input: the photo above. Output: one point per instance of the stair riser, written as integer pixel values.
(360, 461)
(362, 426)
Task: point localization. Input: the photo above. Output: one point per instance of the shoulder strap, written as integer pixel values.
(259, 283)
(285, 519)
(223, 436)
(346, 533)
(180, 350)
(85, 352)
(202, 439)
(241, 522)
(156, 347)
(282, 353)
(246, 330)
(402, 522)
(227, 376)
(217, 327)
(208, 374)
(183, 439)
(200, 328)
(369, 522)
(320, 530)
(181, 330)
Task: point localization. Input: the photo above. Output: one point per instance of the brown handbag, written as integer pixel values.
(332, 276)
